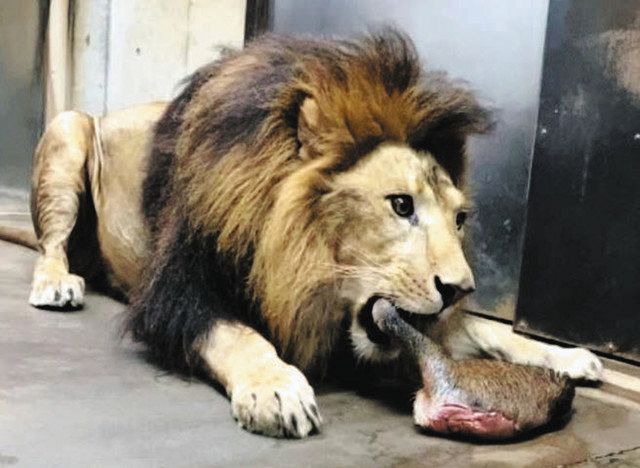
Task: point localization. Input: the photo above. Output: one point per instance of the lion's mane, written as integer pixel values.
(240, 163)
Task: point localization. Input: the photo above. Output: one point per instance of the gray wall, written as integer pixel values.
(497, 46)
(20, 98)
(124, 52)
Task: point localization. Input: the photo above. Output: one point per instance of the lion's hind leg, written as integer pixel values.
(58, 189)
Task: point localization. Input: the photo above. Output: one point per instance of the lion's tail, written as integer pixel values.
(19, 236)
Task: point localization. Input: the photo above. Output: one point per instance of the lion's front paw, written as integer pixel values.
(277, 402)
(57, 290)
(577, 363)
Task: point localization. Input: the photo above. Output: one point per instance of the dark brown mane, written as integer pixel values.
(239, 162)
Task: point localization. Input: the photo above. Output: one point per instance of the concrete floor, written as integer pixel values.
(73, 394)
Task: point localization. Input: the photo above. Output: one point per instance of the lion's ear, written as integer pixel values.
(308, 122)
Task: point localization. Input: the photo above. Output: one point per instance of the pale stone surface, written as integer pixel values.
(134, 51)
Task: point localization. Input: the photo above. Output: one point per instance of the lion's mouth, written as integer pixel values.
(377, 336)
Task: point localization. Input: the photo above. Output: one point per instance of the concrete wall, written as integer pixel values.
(123, 52)
(132, 51)
(20, 98)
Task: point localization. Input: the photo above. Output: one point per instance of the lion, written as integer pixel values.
(252, 222)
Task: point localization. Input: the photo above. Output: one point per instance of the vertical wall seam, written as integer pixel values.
(187, 47)
(107, 59)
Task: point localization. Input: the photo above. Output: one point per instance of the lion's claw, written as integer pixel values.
(281, 405)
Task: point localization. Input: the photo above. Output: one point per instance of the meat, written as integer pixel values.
(479, 398)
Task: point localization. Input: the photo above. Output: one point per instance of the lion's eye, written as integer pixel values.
(461, 217)
(402, 205)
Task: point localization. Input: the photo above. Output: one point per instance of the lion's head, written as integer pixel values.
(402, 240)
(331, 172)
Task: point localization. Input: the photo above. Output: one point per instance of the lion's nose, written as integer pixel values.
(452, 292)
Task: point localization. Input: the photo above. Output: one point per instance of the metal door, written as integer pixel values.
(580, 280)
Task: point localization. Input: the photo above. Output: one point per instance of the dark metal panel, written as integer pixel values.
(497, 46)
(580, 278)
(257, 18)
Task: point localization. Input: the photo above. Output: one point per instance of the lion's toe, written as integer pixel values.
(57, 291)
(578, 363)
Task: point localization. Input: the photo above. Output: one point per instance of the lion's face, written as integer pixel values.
(401, 238)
